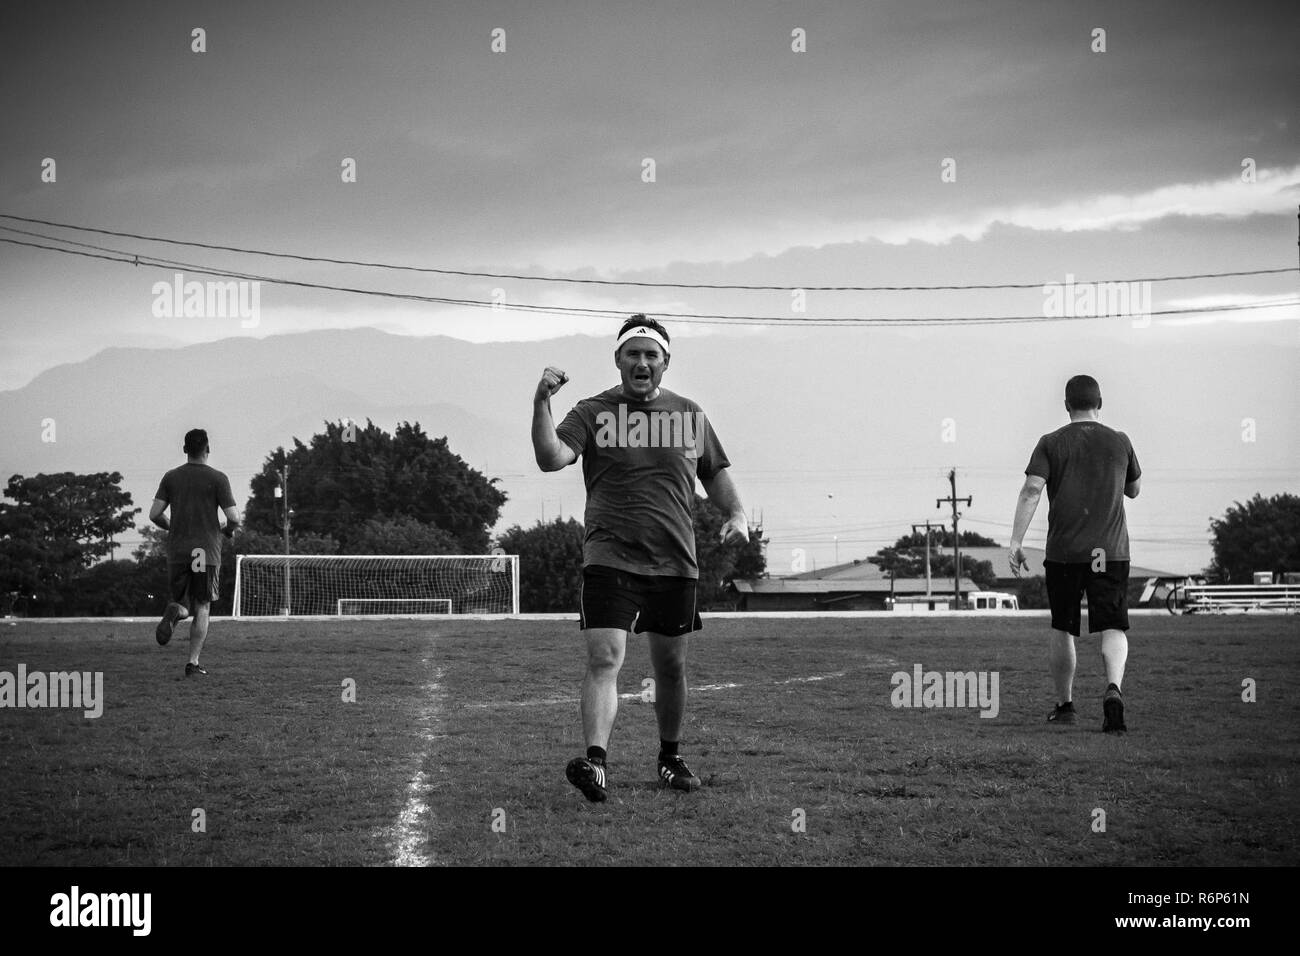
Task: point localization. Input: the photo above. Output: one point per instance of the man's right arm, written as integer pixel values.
(224, 495)
(1133, 487)
(232, 521)
(551, 453)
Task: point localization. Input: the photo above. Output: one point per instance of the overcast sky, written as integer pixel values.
(772, 166)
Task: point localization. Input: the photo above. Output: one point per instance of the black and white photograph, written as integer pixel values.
(650, 435)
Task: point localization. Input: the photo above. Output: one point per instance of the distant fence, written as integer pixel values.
(1220, 598)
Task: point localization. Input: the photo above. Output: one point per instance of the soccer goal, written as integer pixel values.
(320, 585)
(359, 606)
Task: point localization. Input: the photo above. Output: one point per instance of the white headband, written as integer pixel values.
(641, 331)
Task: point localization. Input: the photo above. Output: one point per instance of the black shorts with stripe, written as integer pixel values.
(189, 587)
(1107, 592)
(612, 597)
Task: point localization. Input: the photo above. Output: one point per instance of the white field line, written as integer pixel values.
(409, 835)
(552, 701)
(457, 618)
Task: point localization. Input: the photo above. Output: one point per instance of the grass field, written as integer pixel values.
(454, 750)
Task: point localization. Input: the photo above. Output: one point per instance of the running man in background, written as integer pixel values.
(1088, 469)
(642, 448)
(195, 492)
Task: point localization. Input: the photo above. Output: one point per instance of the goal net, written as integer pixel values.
(302, 585)
(358, 606)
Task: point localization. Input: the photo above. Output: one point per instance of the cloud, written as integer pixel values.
(1275, 190)
(1278, 308)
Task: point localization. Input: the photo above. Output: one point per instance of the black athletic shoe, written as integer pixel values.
(674, 773)
(193, 669)
(163, 632)
(1112, 708)
(1062, 714)
(588, 777)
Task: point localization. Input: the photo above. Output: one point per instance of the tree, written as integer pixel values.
(116, 589)
(721, 564)
(906, 558)
(1032, 593)
(550, 560)
(151, 556)
(401, 535)
(152, 550)
(1261, 535)
(56, 528)
(349, 475)
(255, 542)
(550, 564)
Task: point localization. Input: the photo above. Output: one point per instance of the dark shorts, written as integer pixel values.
(614, 598)
(189, 587)
(1107, 595)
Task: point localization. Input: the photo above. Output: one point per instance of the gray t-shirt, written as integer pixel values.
(196, 493)
(1086, 465)
(640, 461)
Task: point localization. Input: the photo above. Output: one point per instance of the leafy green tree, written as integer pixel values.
(401, 535)
(721, 564)
(550, 560)
(256, 542)
(116, 589)
(151, 556)
(152, 550)
(906, 557)
(56, 527)
(550, 564)
(1261, 535)
(1033, 592)
(348, 475)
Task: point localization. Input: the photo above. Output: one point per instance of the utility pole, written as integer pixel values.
(927, 527)
(283, 493)
(956, 541)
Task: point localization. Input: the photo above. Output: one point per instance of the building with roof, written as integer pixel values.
(854, 586)
(859, 585)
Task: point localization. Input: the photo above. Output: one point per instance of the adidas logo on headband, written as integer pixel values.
(642, 332)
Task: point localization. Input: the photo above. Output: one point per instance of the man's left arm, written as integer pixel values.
(156, 514)
(1026, 505)
(722, 491)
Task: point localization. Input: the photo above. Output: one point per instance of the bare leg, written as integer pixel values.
(606, 647)
(198, 629)
(1061, 660)
(668, 657)
(1114, 655)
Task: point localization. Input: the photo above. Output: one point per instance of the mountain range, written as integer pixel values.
(844, 433)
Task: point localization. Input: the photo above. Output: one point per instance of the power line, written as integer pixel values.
(615, 282)
(688, 317)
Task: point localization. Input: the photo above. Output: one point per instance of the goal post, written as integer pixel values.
(355, 585)
(371, 606)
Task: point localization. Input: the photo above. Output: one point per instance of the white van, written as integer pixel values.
(992, 601)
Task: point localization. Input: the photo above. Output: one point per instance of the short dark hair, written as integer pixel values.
(1082, 392)
(196, 441)
(641, 320)
(638, 319)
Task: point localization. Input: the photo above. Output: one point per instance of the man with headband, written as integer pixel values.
(642, 448)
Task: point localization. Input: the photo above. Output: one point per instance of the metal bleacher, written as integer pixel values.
(1220, 598)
